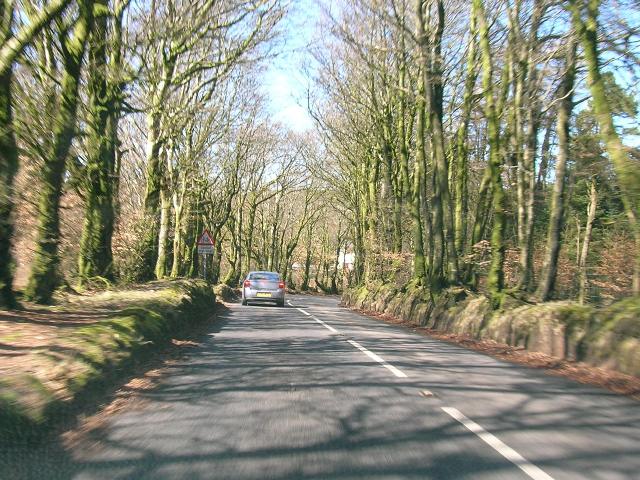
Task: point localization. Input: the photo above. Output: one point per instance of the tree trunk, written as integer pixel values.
(154, 174)
(528, 73)
(419, 260)
(462, 148)
(627, 173)
(443, 224)
(217, 261)
(96, 256)
(495, 280)
(565, 93)
(307, 262)
(582, 265)
(529, 165)
(8, 168)
(45, 277)
(163, 234)
(178, 239)
(14, 43)
(545, 155)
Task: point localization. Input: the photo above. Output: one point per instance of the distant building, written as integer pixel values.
(346, 260)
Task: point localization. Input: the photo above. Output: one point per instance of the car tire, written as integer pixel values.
(281, 303)
(244, 302)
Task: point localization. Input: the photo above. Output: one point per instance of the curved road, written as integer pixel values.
(313, 391)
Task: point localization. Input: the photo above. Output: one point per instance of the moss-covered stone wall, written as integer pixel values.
(605, 337)
(142, 320)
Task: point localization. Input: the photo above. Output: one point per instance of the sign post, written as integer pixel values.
(205, 248)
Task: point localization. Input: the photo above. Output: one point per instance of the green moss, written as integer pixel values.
(225, 292)
(609, 337)
(27, 405)
(622, 318)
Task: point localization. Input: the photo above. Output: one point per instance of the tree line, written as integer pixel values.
(150, 115)
(482, 143)
(474, 143)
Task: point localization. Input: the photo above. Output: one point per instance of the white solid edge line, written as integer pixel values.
(306, 313)
(396, 371)
(498, 445)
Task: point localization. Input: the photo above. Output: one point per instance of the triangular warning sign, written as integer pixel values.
(205, 239)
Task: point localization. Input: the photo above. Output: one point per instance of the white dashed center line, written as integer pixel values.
(396, 371)
(499, 446)
(325, 325)
(494, 442)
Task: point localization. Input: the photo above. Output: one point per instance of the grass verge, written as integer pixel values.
(51, 359)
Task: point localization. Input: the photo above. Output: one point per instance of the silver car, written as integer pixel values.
(263, 287)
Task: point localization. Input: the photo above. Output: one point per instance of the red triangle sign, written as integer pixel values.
(205, 239)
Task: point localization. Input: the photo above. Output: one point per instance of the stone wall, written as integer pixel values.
(607, 337)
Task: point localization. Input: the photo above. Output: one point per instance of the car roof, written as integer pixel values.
(262, 271)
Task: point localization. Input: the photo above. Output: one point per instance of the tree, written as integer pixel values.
(107, 82)
(564, 109)
(585, 21)
(14, 40)
(44, 275)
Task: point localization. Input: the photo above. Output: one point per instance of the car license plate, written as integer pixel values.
(263, 295)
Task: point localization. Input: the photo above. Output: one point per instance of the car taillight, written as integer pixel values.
(281, 285)
(247, 283)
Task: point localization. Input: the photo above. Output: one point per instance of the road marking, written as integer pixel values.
(498, 445)
(396, 371)
(327, 326)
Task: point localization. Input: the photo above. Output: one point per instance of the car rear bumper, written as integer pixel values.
(251, 295)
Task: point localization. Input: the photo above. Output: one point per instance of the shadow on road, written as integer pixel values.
(270, 395)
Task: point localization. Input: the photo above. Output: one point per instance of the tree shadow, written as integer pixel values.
(275, 396)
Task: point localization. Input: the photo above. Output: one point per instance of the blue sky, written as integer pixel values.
(284, 83)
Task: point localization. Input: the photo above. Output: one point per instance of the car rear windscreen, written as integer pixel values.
(274, 277)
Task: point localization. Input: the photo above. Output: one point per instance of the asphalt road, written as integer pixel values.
(315, 391)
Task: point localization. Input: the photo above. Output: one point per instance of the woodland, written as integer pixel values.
(491, 144)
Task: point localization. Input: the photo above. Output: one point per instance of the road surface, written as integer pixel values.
(314, 391)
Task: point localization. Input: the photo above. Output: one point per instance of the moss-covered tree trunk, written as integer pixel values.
(152, 197)
(95, 258)
(462, 149)
(155, 170)
(307, 259)
(441, 164)
(217, 259)
(495, 280)
(235, 268)
(371, 239)
(8, 168)
(192, 258)
(14, 41)
(44, 277)
(403, 145)
(565, 107)
(179, 199)
(627, 172)
(419, 259)
(583, 278)
(163, 233)
(528, 128)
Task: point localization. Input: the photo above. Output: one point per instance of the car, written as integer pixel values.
(263, 287)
